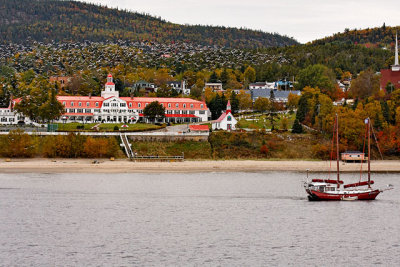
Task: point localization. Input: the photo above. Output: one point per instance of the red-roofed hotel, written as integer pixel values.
(109, 107)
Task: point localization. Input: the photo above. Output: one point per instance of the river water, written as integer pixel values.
(212, 219)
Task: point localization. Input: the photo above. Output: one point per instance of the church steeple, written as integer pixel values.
(396, 66)
(228, 107)
(396, 56)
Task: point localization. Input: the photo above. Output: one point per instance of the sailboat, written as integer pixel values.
(330, 189)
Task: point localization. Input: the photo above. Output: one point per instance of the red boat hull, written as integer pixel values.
(321, 196)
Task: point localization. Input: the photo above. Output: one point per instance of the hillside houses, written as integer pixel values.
(280, 95)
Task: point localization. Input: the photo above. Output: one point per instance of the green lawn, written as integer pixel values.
(262, 121)
(108, 127)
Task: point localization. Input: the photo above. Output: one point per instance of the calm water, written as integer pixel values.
(228, 219)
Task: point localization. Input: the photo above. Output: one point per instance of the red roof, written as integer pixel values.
(199, 128)
(132, 103)
(222, 117)
(109, 75)
(78, 114)
(110, 83)
(390, 76)
(176, 115)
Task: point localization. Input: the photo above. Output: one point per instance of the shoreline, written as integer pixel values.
(41, 165)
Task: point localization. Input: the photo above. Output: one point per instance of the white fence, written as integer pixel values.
(149, 134)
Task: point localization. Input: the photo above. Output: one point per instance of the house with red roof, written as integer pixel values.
(226, 121)
(110, 107)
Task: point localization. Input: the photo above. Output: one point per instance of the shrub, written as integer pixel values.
(321, 151)
(100, 147)
(264, 150)
(116, 128)
(18, 144)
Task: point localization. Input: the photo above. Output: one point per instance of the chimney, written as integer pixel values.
(90, 95)
(131, 96)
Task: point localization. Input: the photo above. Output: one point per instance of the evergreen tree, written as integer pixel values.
(302, 109)
(297, 128)
(234, 103)
(272, 110)
(385, 111)
(377, 122)
(224, 78)
(213, 78)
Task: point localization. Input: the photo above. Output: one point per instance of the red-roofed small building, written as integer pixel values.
(109, 107)
(226, 121)
(199, 128)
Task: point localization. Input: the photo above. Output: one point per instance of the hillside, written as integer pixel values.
(65, 21)
(370, 37)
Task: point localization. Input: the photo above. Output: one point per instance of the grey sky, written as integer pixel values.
(305, 20)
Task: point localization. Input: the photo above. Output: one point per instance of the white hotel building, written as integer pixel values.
(109, 107)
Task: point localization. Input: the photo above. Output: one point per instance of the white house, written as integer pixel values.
(226, 121)
(110, 107)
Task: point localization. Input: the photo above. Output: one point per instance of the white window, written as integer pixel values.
(87, 104)
(80, 104)
(64, 103)
(139, 105)
(72, 104)
(97, 104)
(201, 106)
(191, 106)
(184, 105)
(130, 105)
(177, 105)
(169, 105)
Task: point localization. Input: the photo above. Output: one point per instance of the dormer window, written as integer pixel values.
(97, 104)
(201, 106)
(169, 105)
(139, 105)
(72, 104)
(130, 105)
(80, 104)
(64, 103)
(87, 104)
(184, 105)
(191, 106)
(177, 105)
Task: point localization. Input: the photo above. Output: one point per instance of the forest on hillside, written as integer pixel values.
(371, 37)
(66, 21)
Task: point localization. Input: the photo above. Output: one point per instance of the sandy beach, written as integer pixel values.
(125, 166)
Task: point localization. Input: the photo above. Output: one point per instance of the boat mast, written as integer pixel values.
(337, 150)
(369, 153)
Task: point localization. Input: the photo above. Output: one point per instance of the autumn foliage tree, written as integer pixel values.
(365, 85)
